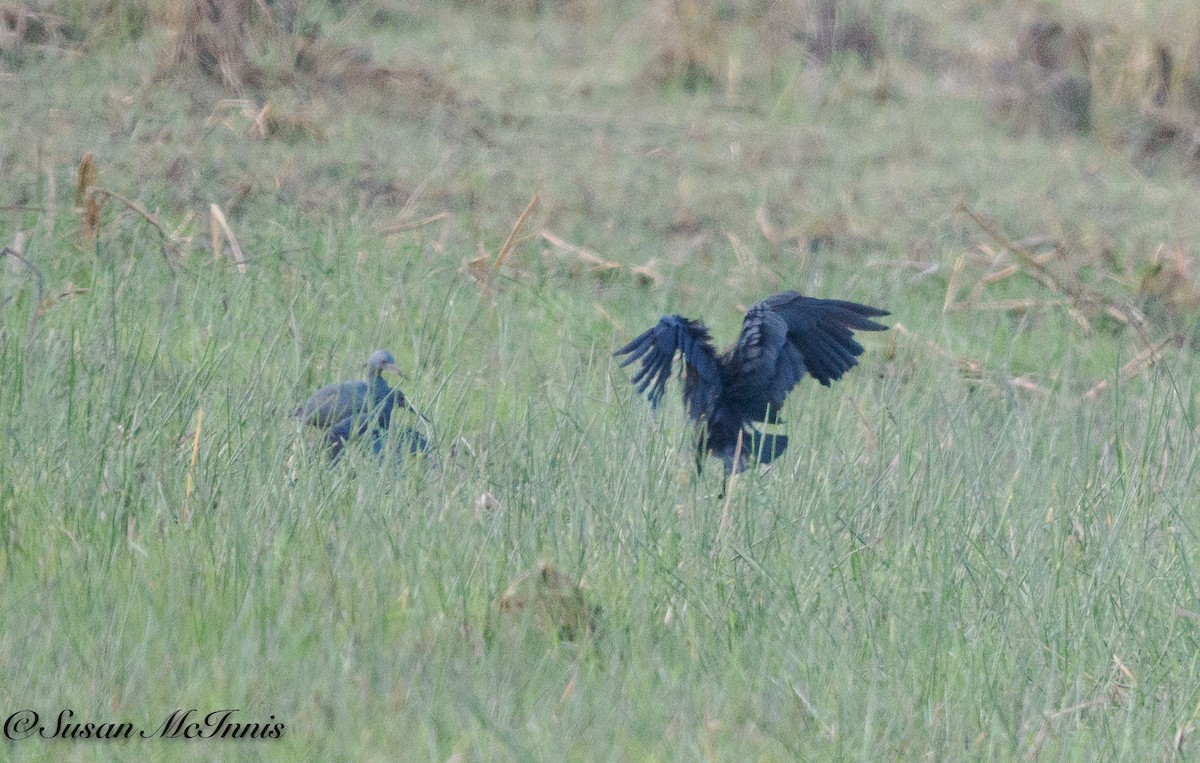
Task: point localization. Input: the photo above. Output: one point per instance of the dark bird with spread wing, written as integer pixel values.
(783, 338)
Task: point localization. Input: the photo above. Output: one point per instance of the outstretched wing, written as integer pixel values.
(656, 350)
(789, 335)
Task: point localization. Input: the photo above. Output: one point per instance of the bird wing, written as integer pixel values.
(656, 350)
(789, 335)
(333, 403)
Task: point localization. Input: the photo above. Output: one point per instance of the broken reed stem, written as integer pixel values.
(140, 210)
(1040, 273)
(219, 222)
(1144, 359)
(596, 262)
(598, 265)
(93, 218)
(1036, 269)
(512, 234)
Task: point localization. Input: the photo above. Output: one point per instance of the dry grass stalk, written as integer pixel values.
(221, 225)
(1144, 359)
(810, 712)
(901, 330)
(747, 262)
(952, 285)
(987, 280)
(168, 240)
(140, 210)
(86, 202)
(598, 266)
(85, 178)
(1014, 305)
(1027, 384)
(769, 231)
(617, 325)
(240, 115)
(1079, 298)
(17, 252)
(1189, 614)
(258, 127)
(407, 225)
(972, 371)
(1118, 692)
(1180, 735)
(479, 269)
(1000, 275)
(91, 219)
(1037, 266)
(190, 485)
(71, 291)
(271, 122)
(1169, 282)
(509, 242)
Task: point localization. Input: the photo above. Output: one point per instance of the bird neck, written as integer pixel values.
(379, 387)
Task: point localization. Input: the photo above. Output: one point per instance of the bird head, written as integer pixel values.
(382, 360)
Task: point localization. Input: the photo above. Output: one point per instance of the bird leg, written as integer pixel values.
(737, 463)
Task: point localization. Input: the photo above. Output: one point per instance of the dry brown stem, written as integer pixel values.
(512, 234)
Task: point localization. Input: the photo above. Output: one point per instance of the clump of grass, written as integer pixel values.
(547, 599)
(1046, 84)
(269, 121)
(247, 48)
(220, 39)
(1169, 286)
(689, 44)
(23, 30)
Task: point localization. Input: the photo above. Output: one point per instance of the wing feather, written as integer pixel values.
(656, 349)
(789, 335)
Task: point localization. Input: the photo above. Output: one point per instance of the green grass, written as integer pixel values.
(940, 567)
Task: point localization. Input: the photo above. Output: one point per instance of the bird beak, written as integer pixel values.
(396, 370)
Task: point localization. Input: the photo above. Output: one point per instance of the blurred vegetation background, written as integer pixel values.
(982, 543)
(737, 136)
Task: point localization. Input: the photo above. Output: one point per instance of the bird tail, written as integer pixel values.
(767, 446)
(756, 446)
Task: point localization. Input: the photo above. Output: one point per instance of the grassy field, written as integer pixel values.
(982, 543)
